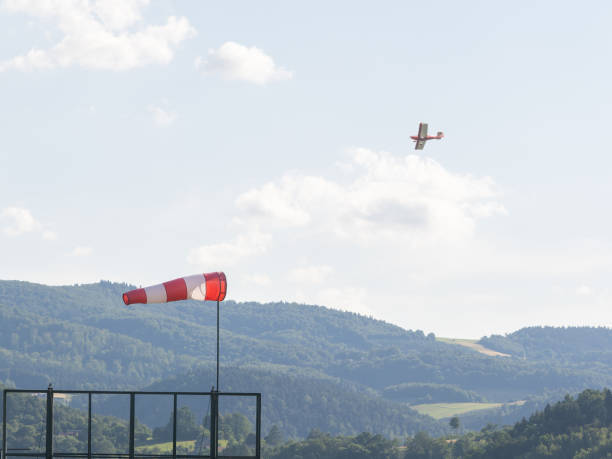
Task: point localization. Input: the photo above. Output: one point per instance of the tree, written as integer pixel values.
(454, 423)
(186, 427)
(234, 427)
(422, 446)
(274, 437)
(315, 433)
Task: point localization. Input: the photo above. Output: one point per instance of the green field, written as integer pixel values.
(446, 410)
(166, 448)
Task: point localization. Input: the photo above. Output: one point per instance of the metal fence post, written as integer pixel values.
(89, 425)
(258, 428)
(3, 424)
(174, 416)
(132, 421)
(49, 447)
(214, 423)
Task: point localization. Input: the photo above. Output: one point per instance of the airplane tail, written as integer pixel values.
(440, 134)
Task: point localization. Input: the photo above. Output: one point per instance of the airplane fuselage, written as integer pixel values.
(421, 138)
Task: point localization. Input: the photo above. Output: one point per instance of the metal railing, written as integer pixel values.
(49, 453)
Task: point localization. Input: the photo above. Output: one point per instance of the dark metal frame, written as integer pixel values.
(214, 425)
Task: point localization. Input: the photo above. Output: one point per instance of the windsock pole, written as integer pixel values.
(217, 345)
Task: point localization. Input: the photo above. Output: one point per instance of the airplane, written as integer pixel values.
(423, 137)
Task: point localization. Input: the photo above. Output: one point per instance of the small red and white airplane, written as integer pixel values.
(423, 137)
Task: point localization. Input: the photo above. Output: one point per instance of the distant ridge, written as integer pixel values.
(83, 336)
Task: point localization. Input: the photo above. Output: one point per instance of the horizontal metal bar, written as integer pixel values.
(152, 455)
(110, 455)
(102, 392)
(118, 392)
(25, 454)
(144, 456)
(60, 454)
(186, 456)
(93, 454)
(238, 394)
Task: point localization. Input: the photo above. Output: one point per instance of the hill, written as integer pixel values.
(82, 336)
(578, 428)
(580, 346)
(298, 401)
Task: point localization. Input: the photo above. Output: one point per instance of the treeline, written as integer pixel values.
(324, 446)
(577, 428)
(576, 345)
(416, 393)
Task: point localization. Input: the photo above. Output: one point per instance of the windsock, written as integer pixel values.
(202, 287)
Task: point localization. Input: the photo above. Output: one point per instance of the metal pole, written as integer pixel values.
(3, 424)
(132, 422)
(49, 446)
(215, 412)
(214, 423)
(258, 428)
(174, 428)
(217, 345)
(89, 425)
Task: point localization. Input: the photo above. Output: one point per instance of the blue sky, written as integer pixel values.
(142, 141)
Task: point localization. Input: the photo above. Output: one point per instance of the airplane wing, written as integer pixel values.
(420, 144)
(422, 131)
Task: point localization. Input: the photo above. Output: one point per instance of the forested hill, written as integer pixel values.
(299, 401)
(571, 344)
(575, 428)
(83, 336)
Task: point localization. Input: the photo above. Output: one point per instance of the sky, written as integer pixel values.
(141, 141)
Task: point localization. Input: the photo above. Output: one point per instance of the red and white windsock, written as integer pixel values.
(202, 287)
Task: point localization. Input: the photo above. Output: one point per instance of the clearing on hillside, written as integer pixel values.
(446, 410)
(473, 344)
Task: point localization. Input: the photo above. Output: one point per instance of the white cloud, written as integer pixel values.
(81, 251)
(229, 253)
(309, 274)
(21, 221)
(386, 196)
(404, 216)
(49, 235)
(102, 34)
(282, 202)
(233, 61)
(258, 279)
(162, 117)
(584, 290)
